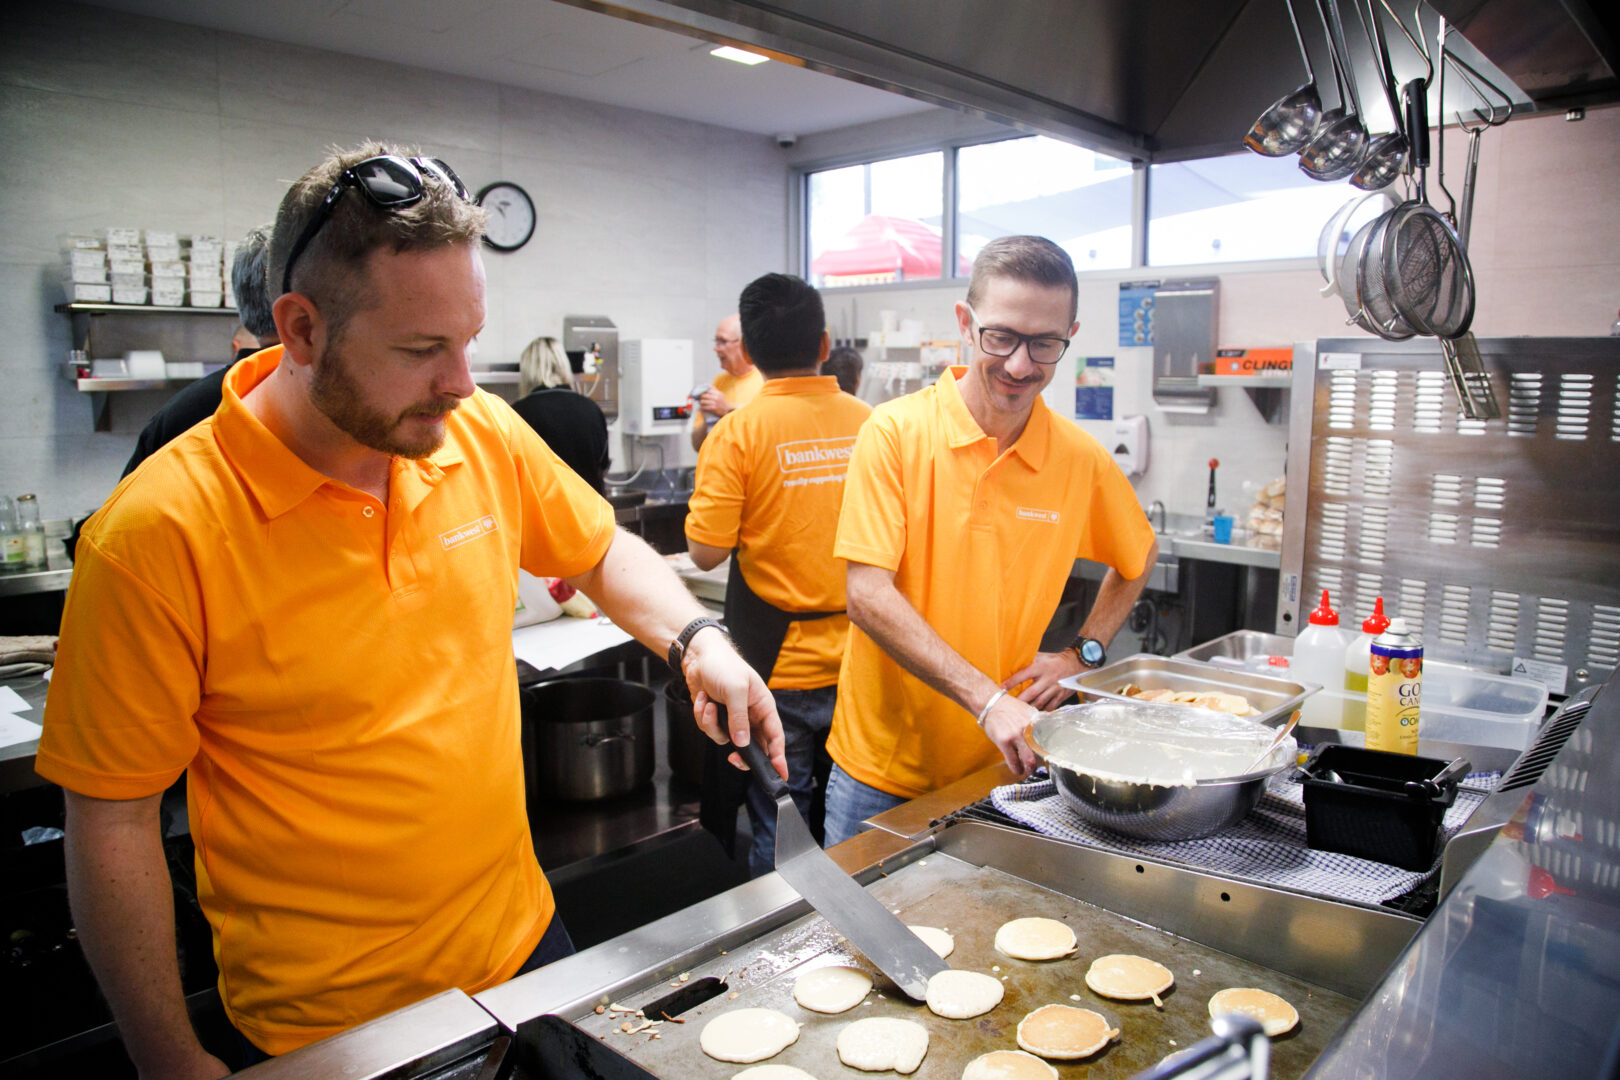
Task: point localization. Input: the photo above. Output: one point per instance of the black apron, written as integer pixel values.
(758, 629)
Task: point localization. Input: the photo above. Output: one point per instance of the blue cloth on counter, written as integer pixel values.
(1268, 846)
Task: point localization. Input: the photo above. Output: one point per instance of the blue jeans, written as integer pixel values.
(850, 802)
(806, 719)
(554, 944)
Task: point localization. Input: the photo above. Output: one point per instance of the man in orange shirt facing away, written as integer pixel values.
(736, 385)
(965, 508)
(769, 482)
(305, 604)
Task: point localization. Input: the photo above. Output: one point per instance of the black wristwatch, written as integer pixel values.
(677, 648)
(1090, 652)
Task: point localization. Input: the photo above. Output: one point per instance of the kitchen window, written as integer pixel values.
(1076, 197)
(1240, 208)
(877, 222)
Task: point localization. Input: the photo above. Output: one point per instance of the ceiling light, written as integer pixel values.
(726, 52)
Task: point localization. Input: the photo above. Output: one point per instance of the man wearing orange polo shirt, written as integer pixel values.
(965, 508)
(769, 482)
(737, 384)
(305, 603)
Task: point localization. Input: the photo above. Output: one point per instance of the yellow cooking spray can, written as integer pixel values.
(1394, 689)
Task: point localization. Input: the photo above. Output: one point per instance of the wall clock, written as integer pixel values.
(511, 215)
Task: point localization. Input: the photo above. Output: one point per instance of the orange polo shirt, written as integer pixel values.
(337, 676)
(770, 479)
(737, 391)
(981, 546)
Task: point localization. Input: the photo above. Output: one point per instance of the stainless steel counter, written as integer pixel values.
(54, 578)
(1517, 973)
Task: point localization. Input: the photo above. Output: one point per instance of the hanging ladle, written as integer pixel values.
(1386, 156)
(1292, 122)
(1341, 141)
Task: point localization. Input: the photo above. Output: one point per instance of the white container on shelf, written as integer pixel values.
(183, 369)
(168, 292)
(129, 294)
(93, 275)
(126, 251)
(1319, 658)
(80, 292)
(206, 298)
(126, 237)
(126, 266)
(145, 364)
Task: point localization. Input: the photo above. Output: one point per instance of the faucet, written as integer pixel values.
(1157, 507)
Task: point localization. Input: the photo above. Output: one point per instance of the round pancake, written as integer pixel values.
(1008, 1065)
(1064, 1033)
(745, 1035)
(1128, 978)
(832, 989)
(883, 1042)
(936, 939)
(772, 1072)
(1272, 1013)
(959, 995)
(1035, 939)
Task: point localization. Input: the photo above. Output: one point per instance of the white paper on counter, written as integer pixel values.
(14, 729)
(12, 702)
(564, 641)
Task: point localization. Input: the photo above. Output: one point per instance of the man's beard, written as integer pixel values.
(337, 395)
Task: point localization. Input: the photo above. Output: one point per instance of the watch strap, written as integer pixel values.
(677, 648)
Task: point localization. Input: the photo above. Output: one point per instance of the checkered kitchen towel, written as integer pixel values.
(1268, 846)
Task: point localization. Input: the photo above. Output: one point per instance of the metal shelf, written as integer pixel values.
(1248, 382)
(85, 307)
(1266, 391)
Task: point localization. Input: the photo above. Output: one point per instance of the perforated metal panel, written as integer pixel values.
(1498, 538)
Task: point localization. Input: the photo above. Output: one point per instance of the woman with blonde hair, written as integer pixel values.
(571, 424)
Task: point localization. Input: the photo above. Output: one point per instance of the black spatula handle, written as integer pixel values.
(755, 758)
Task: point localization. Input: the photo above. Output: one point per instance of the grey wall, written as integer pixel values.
(116, 120)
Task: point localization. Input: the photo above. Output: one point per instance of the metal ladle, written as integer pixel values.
(1340, 144)
(1386, 157)
(1292, 121)
(1275, 742)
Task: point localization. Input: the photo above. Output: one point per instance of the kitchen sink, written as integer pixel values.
(621, 498)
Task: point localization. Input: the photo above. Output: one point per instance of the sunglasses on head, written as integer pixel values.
(389, 181)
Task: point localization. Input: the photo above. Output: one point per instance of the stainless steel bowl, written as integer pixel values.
(1149, 811)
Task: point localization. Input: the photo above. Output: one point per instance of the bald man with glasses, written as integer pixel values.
(965, 507)
(738, 383)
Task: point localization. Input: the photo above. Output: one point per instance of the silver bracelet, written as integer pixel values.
(995, 697)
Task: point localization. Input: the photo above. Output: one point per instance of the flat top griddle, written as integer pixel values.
(971, 902)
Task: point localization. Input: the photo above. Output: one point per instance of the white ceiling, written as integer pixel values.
(545, 45)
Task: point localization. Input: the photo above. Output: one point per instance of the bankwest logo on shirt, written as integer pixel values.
(1027, 513)
(815, 454)
(470, 531)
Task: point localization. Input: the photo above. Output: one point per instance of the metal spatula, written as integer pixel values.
(837, 897)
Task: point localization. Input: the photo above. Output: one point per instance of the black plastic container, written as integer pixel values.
(1378, 805)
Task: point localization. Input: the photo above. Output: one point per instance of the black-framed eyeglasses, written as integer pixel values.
(389, 181)
(1042, 349)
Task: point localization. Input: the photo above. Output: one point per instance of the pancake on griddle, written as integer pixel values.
(960, 995)
(1271, 1012)
(1129, 978)
(1008, 1065)
(747, 1035)
(1064, 1033)
(1035, 939)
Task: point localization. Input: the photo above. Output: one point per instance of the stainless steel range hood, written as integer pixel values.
(1150, 80)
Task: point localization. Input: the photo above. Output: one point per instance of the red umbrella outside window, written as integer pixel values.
(880, 245)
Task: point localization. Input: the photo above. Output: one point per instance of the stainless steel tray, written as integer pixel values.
(1236, 648)
(1275, 698)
